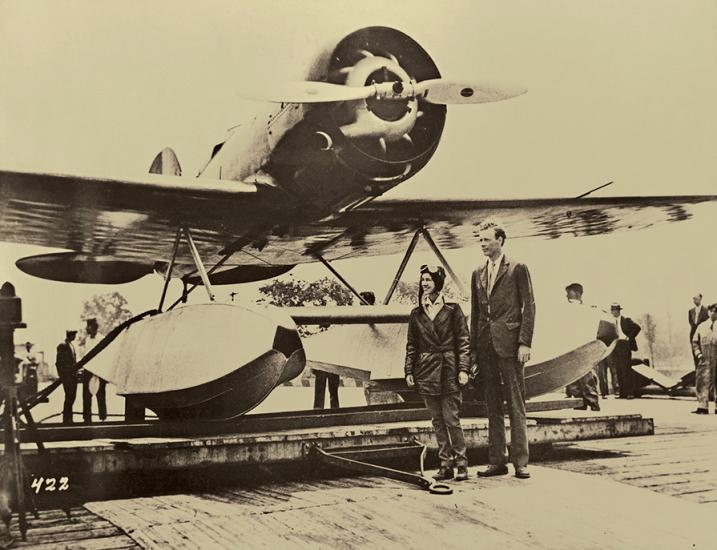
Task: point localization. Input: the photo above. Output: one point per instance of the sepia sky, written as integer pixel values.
(619, 90)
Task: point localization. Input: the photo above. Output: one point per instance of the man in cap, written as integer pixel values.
(586, 386)
(621, 357)
(502, 321)
(65, 363)
(91, 382)
(704, 344)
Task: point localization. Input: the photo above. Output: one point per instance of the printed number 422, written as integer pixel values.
(50, 484)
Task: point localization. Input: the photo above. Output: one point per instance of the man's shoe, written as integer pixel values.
(595, 408)
(493, 470)
(462, 473)
(522, 472)
(581, 408)
(700, 410)
(443, 474)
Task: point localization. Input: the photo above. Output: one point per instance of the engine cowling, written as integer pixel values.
(344, 153)
(385, 138)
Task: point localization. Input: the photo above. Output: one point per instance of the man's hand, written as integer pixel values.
(462, 378)
(523, 354)
(409, 380)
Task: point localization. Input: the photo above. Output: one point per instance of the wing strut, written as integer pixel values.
(340, 278)
(168, 275)
(203, 273)
(422, 231)
(198, 262)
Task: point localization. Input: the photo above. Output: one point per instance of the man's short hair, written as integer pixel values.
(712, 307)
(496, 226)
(574, 287)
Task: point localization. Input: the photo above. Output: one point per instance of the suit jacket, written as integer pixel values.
(695, 322)
(508, 314)
(630, 329)
(65, 360)
(437, 350)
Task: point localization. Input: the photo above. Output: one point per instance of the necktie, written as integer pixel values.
(712, 325)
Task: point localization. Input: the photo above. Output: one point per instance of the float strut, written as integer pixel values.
(168, 275)
(198, 263)
(402, 267)
(340, 278)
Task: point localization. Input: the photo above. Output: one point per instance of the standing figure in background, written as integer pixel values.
(65, 363)
(321, 378)
(91, 384)
(29, 371)
(502, 322)
(704, 345)
(584, 387)
(695, 316)
(437, 364)
(621, 357)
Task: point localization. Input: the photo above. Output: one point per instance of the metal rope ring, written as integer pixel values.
(440, 489)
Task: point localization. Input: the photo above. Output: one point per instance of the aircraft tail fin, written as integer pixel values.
(166, 162)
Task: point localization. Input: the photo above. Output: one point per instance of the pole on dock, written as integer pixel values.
(11, 319)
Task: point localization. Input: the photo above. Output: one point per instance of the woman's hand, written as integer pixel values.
(462, 378)
(409, 380)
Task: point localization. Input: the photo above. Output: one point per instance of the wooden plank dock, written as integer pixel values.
(543, 512)
(612, 493)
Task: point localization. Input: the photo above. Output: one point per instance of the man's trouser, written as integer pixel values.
(320, 389)
(69, 384)
(586, 388)
(704, 383)
(493, 369)
(602, 377)
(621, 357)
(87, 398)
(447, 425)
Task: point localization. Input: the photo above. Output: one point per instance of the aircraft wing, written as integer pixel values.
(134, 221)
(384, 227)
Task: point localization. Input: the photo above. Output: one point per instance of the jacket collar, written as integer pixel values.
(501, 271)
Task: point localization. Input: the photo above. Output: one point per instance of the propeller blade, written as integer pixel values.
(439, 90)
(310, 92)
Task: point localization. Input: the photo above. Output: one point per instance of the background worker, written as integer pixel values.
(704, 344)
(586, 386)
(65, 364)
(91, 384)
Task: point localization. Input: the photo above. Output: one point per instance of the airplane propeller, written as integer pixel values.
(437, 90)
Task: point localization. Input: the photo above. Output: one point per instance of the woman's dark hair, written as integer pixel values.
(437, 273)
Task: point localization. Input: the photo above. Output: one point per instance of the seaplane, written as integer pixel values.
(300, 180)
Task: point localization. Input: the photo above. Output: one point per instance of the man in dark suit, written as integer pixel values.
(502, 320)
(621, 357)
(65, 363)
(695, 316)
